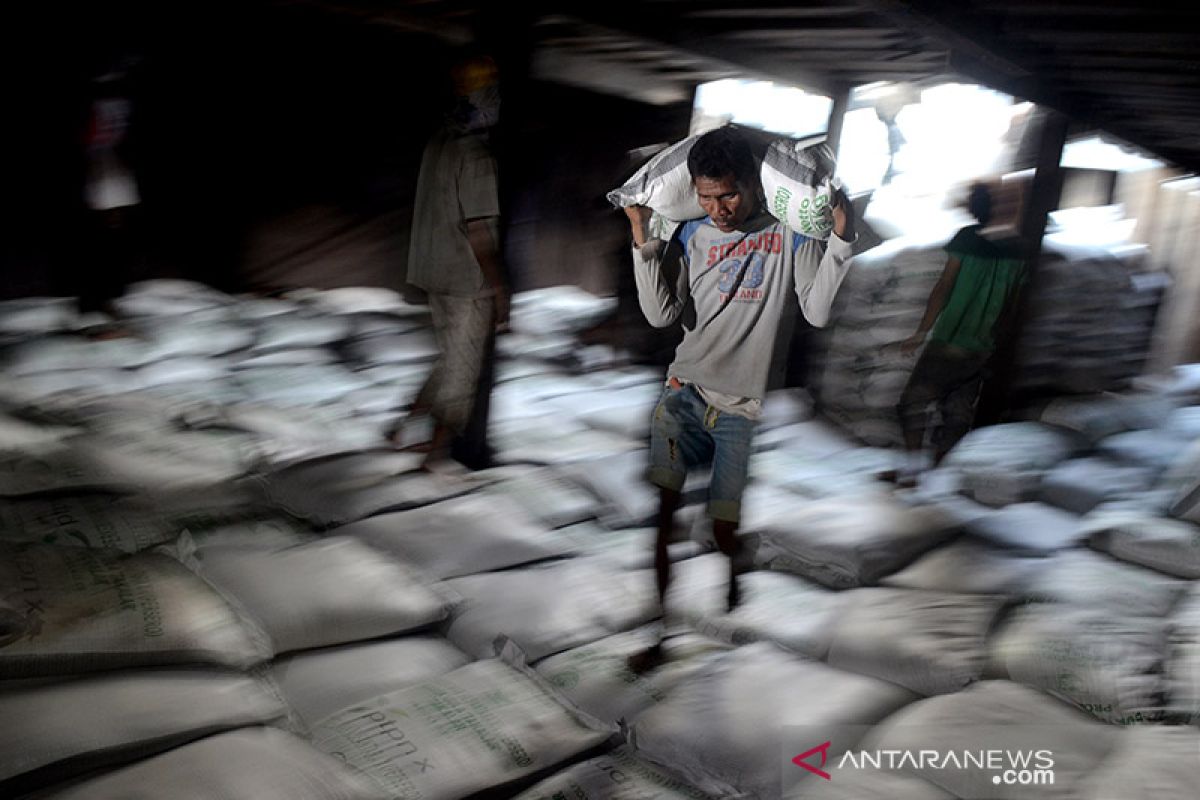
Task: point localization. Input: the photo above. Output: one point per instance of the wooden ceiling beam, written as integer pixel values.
(790, 12)
(1080, 8)
(1140, 41)
(871, 65)
(1105, 58)
(1122, 78)
(979, 53)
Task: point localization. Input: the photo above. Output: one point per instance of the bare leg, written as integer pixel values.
(725, 532)
(668, 501)
(420, 407)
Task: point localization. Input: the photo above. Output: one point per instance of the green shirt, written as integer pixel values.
(987, 281)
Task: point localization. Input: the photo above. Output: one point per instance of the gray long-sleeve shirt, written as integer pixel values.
(733, 291)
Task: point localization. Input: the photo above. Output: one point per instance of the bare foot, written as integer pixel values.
(440, 463)
(400, 437)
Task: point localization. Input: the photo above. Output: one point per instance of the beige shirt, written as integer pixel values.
(457, 184)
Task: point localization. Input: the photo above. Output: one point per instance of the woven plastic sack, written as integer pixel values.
(1183, 663)
(1082, 484)
(596, 677)
(997, 715)
(98, 520)
(1167, 545)
(259, 763)
(1183, 481)
(545, 610)
(756, 692)
(1088, 579)
(619, 775)
(479, 727)
(849, 541)
(460, 536)
(969, 567)
(776, 607)
(62, 729)
(1030, 528)
(69, 610)
(1149, 762)
(331, 591)
(797, 181)
(1108, 665)
(929, 642)
(317, 683)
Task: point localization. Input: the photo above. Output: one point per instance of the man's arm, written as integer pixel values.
(817, 289)
(937, 301)
(483, 245)
(657, 270)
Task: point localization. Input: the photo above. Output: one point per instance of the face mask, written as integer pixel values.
(477, 111)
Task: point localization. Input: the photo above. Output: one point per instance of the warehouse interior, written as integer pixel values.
(219, 580)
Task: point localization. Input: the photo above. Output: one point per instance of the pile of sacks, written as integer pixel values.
(1091, 319)
(858, 370)
(1089, 515)
(1091, 316)
(207, 594)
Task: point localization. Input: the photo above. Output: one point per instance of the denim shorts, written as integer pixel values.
(687, 433)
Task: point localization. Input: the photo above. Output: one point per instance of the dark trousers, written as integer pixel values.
(112, 258)
(948, 378)
(471, 448)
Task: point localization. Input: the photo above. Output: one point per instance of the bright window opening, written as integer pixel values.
(773, 107)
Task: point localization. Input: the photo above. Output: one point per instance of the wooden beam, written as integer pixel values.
(876, 55)
(872, 65)
(837, 116)
(780, 12)
(1060, 9)
(1144, 41)
(961, 34)
(831, 38)
(653, 22)
(996, 397)
(1088, 59)
(1100, 77)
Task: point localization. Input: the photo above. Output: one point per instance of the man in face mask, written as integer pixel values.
(477, 95)
(454, 256)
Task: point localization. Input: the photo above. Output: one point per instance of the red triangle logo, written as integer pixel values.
(802, 760)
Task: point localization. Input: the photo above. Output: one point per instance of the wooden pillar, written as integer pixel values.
(1043, 196)
(837, 115)
(1177, 332)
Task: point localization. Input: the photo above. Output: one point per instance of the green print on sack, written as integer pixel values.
(783, 196)
(812, 214)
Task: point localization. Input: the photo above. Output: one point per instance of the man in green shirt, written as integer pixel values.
(968, 311)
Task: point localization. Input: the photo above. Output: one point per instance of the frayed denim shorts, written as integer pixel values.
(687, 433)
